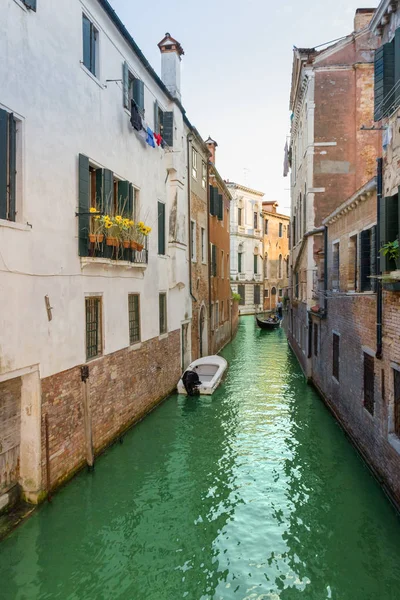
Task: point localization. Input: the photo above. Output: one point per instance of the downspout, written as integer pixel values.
(379, 303)
(189, 139)
(325, 272)
(209, 257)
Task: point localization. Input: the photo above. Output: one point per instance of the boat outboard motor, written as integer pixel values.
(191, 382)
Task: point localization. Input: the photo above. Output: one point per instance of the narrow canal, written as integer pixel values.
(253, 494)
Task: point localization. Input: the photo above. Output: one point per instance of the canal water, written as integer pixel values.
(254, 494)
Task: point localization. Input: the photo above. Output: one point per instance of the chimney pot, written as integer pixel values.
(211, 145)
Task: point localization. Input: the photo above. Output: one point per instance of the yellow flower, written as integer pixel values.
(108, 225)
(140, 224)
(97, 217)
(93, 209)
(118, 219)
(131, 223)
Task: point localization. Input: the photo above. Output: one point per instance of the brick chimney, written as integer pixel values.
(171, 53)
(211, 145)
(362, 18)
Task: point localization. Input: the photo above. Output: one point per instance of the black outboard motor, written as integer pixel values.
(191, 382)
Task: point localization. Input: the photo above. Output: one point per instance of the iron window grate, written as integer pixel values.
(134, 318)
(163, 313)
(93, 327)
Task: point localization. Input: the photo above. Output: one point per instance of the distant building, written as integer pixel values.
(275, 254)
(221, 317)
(246, 266)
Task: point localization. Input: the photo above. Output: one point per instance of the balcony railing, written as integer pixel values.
(257, 277)
(242, 276)
(102, 250)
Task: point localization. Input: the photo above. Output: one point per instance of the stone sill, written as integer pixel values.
(123, 264)
(15, 225)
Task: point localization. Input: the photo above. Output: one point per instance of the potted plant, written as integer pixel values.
(391, 251)
(111, 228)
(142, 231)
(96, 234)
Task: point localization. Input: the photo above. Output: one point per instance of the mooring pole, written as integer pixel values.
(46, 427)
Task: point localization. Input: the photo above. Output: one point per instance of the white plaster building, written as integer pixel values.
(247, 247)
(68, 76)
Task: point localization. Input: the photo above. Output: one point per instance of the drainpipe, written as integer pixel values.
(209, 258)
(325, 272)
(379, 303)
(189, 139)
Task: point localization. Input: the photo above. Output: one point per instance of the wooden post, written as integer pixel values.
(87, 416)
(48, 480)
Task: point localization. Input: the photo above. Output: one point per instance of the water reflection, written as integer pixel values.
(252, 494)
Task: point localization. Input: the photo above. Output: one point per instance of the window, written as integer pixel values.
(222, 311)
(386, 96)
(335, 266)
(256, 294)
(280, 267)
(30, 4)
(204, 175)
(162, 303)
(158, 119)
(280, 292)
(94, 345)
(203, 245)
(335, 356)
(266, 293)
(133, 89)
(296, 284)
(266, 266)
(315, 339)
(389, 228)
(90, 45)
(273, 291)
(255, 220)
(369, 381)
(222, 265)
(287, 266)
(8, 168)
(213, 260)
(239, 217)
(216, 315)
(280, 230)
(352, 266)
(241, 292)
(396, 384)
(194, 163)
(193, 240)
(134, 318)
(227, 265)
(255, 264)
(240, 262)
(161, 228)
(266, 226)
(368, 259)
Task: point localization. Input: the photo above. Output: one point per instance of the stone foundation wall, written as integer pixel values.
(123, 387)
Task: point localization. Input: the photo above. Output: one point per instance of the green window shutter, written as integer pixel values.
(131, 208)
(255, 264)
(161, 228)
(389, 227)
(125, 85)
(86, 41)
(138, 93)
(384, 68)
(3, 163)
(211, 200)
(83, 206)
(168, 133)
(397, 65)
(123, 198)
(214, 260)
(220, 207)
(12, 166)
(30, 4)
(108, 193)
(156, 120)
(365, 260)
(373, 258)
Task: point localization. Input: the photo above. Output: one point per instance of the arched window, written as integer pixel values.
(266, 265)
(273, 291)
(280, 267)
(240, 258)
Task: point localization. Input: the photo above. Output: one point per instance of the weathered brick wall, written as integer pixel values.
(297, 332)
(124, 386)
(200, 287)
(354, 318)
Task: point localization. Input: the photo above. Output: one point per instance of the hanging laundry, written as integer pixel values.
(143, 134)
(136, 119)
(158, 138)
(387, 137)
(150, 138)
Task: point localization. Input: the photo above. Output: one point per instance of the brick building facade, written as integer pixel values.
(276, 254)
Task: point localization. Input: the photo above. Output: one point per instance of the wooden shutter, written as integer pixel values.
(211, 200)
(86, 26)
(30, 4)
(374, 258)
(383, 80)
(389, 227)
(335, 356)
(214, 260)
(123, 200)
(168, 133)
(108, 192)
(255, 263)
(220, 207)
(156, 119)
(3, 163)
(138, 93)
(369, 382)
(83, 205)
(12, 166)
(256, 294)
(125, 85)
(365, 260)
(161, 228)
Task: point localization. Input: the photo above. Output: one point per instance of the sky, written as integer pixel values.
(236, 71)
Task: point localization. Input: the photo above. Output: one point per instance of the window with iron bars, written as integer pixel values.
(134, 318)
(94, 345)
(163, 313)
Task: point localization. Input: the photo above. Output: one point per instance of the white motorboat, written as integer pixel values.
(210, 370)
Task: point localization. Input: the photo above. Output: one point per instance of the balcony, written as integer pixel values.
(242, 276)
(257, 277)
(101, 253)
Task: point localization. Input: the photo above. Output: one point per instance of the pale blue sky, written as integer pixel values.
(236, 71)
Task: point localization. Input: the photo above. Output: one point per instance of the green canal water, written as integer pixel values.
(254, 494)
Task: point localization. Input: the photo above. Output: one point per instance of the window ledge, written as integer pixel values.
(21, 5)
(163, 336)
(335, 380)
(95, 79)
(135, 346)
(394, 441)
(123, 264)
(14, 225)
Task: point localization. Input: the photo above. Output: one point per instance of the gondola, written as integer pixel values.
(268, 323)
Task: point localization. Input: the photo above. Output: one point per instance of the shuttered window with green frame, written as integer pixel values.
(161, 228)
(384, 80)
(8, 133)
(389, 228)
